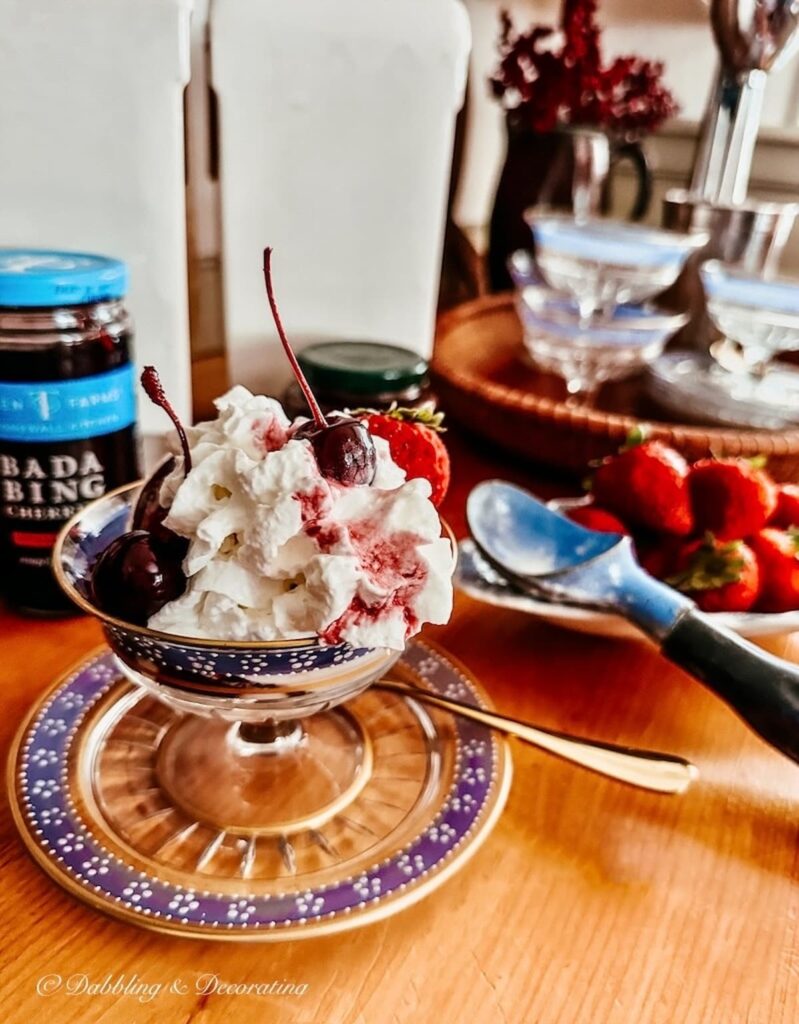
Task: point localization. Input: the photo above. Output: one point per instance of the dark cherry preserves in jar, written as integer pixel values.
(67, 407)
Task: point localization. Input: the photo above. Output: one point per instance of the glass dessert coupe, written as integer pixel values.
(265, 789)
(737, 383)
(586, 352)
(603, 263)
(239, 701)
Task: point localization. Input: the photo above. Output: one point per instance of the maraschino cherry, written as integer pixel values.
(149, 514)
(343, 446)
(140, 571)
(135, 577)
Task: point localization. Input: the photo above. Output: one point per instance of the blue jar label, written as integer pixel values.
(68, 410)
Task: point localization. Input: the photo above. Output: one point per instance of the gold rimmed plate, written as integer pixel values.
(104, 806)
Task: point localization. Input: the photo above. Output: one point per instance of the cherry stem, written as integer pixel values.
(316, 412)
(154, 390)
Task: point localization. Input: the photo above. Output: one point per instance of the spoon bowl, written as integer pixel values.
(526, 538)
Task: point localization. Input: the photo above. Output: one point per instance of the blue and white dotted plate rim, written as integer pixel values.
(60, 841)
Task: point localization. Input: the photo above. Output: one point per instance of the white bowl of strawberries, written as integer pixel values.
(721, 531)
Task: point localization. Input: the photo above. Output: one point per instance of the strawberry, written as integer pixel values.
(414, 437)
(659, 555)
(731, 497)
(594, 518)
(787, 512)
(646, 485)
(777, 553)
(719, 576)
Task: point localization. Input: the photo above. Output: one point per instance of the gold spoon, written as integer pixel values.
(663, 773)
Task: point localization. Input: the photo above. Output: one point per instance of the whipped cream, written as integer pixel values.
(277, 551)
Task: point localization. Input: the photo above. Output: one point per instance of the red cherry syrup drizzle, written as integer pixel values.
(393, 563)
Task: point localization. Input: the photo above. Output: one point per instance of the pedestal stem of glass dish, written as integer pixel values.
(587, 308)
(744, 360)
(756, 359)
(267, 737)
(730, 357)
(581, 390)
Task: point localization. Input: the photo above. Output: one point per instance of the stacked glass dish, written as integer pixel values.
(583, 300)
(738, 382)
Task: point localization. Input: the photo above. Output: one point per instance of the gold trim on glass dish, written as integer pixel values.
(348, 673)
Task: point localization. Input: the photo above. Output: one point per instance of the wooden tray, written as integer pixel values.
(486, 383)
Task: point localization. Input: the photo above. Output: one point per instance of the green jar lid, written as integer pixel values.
(361, 367)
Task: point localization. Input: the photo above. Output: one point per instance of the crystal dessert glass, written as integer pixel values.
(522, 270)
(259, 740)
(586, 355)
(761, 316)
(603, 263)
(737, 383)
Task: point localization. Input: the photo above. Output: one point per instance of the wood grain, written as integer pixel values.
(591, 903)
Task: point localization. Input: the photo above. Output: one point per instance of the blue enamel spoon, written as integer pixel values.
(549, 556)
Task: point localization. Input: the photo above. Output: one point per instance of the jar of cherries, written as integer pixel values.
(67, 406)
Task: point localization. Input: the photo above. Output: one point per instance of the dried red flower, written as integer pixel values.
(553, 76)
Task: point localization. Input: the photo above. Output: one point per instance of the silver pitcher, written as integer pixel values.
(753, 37)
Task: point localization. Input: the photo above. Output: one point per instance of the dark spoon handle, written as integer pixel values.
(764, 690)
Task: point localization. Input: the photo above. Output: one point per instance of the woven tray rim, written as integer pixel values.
(580, 419)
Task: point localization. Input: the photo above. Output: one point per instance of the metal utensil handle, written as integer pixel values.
(647, 769)
(742, 137)
(764, 690)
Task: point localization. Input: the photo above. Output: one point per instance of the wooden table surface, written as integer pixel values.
(590, 902)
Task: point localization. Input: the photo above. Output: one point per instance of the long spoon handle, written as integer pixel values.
(663, 773)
